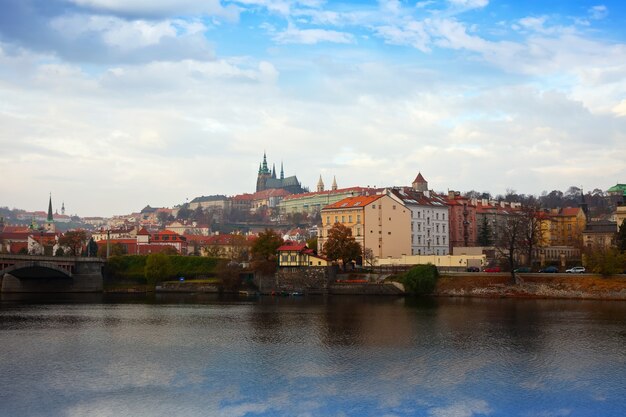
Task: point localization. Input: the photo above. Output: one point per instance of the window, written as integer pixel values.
(292, 258)
(437, 228)
(336, 219)
(350, 219)
(343, 219)
(393, 207)
(327, 220)
(436, 216)
(358, 218)
(412, 226)
(373, 206)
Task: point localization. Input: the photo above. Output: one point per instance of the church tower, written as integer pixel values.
(49, 226)
(334, 186)
(320, 185)
(264, 174)
(420, 184)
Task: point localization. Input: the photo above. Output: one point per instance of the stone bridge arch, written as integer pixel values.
(36, 269)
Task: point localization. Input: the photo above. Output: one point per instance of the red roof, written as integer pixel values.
(243, 197)
(569, 211)
(143, 232)
(297, 247)
(354, 202)
(419, 179)
(272, 192)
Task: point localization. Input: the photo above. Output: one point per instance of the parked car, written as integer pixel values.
(473, 269)
(522, 269)
(576, 270)
(492, 269)
(550, 269)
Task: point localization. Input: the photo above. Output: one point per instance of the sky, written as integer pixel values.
(110, 105)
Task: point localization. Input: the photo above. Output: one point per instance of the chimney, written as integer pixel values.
(451, 195)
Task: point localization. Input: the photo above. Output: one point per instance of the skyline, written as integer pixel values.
(111, 105)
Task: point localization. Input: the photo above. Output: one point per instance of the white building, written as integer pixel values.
(430, 234)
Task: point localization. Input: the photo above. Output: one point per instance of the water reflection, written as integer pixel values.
(210, 355)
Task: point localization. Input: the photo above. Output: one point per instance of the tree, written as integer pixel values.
(368, 257)
(264, 251)
(59, 252)
(621, 237)
(341, 245)
(184, 212)
(312, 243)
(606, 261)
(511, 239)
(74, 240)
(158, 268)
(532, 230)
(163, 217)
(484, 233)
(92, 248)
(421, 279)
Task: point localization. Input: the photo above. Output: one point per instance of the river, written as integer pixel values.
(202, 355)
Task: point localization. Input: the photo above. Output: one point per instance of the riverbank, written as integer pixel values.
(583, 286)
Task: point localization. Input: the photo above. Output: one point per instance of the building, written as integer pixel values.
(563, 227)
(242, 203)
(378, 223)
(268, 199)
(599, 235)
(493, 216)
(313, 202)
(216, 203)
(299, 255)
(462, 225)
(267, 179)
(429, 220)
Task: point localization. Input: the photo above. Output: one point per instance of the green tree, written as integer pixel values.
(158, 268)
(605, 261)
(421, 279)
(74, 240)
(341, 245)
(264, 251)
(621, 237)
(59, 252)
(92, 248)
(312, 243)
(485, 233)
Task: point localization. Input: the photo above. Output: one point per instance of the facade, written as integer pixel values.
(242, 202)
(219, 203)
(620, 215)
(267, 179)
(378, 223)
(270, 198)
(462, 225)
(494, 215)
(314, 202)
(299, 255)
(563, 227)
(599, 235)
(429, 220)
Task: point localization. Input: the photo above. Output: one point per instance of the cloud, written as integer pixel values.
(469, 4)
(467, 408)
(598, 12)
(159, 8)
(311, 36)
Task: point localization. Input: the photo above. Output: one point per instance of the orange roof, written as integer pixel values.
(243, 197)
(569, 211)
(272, 192)
(297, 247)
(354, 202)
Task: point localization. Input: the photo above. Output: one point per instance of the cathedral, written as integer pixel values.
(267, 179)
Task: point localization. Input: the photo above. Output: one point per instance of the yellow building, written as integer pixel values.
(299, 255)
(378, 222)
(563, 227)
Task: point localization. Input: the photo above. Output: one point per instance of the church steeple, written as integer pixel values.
(282, 172)
(320, 185)
(334, 186)
(273, 170)
(63, 208)
(50, 217)
(265, 170)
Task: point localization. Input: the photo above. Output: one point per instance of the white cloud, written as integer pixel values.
(312, 36)
(161, 7)
(467, 408)
(598, 12)
(469, 4)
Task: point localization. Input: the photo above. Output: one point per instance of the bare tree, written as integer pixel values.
(510, 241)
(532, 230)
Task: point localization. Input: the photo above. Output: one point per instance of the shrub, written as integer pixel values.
(421, 279)
(158, 268)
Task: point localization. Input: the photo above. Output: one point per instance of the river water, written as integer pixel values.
(337, 356)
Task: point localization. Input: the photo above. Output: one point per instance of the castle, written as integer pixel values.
(267, 179)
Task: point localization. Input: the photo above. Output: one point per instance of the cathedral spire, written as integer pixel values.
(50, 217)
(265, 169)
(282, 172)
(273, 170)
(334, 186)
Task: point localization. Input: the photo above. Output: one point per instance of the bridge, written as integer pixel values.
(25, 273)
